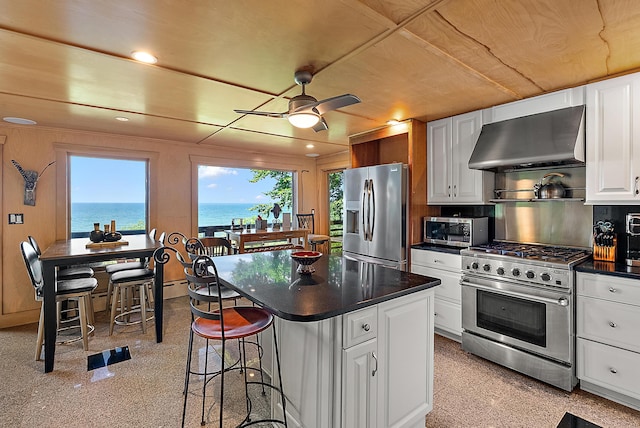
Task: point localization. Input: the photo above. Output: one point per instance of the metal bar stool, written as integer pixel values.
(307, 221)
(214, 322)
(124, 284)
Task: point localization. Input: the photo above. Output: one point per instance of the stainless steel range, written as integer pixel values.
(518, 308)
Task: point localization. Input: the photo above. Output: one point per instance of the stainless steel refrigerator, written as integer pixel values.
(375, 214)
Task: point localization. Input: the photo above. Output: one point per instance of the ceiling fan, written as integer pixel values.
(304, 110)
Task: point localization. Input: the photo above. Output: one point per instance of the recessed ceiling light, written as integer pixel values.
(313, 155)
(122, 118)
(145, 57)
(310, 146)
(19, 120)
(393, 122)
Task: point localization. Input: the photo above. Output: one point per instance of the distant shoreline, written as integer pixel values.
(130, 215)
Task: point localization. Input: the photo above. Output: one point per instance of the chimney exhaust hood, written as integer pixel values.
(547, 139)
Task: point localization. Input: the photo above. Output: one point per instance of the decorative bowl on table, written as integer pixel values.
(112, 236)
(305, 260)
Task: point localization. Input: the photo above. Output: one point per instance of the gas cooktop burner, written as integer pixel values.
(532, 251)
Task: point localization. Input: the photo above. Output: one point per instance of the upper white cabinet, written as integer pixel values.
(450, 142)
(540, 104)
(613, 141)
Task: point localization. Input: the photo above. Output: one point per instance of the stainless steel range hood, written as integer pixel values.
(540, 140)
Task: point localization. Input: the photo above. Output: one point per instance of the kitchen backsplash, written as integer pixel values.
(616, 214)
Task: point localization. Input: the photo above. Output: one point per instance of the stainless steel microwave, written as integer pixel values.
(456, 231)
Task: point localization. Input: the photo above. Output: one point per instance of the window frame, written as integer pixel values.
(63, 181)
(197, 160)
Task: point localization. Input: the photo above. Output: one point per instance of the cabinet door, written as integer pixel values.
(359, 387)
(467, 184)
(439, 161)
(613, 140)
(405, 358)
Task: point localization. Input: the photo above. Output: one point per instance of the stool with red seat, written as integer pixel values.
(212, 321)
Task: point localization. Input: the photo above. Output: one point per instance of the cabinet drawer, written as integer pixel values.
(623, 290)
(448, 316)
(609, 367)
(436, 259)
(360, 326)
(608, 322)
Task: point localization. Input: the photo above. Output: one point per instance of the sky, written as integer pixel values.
(115, 180)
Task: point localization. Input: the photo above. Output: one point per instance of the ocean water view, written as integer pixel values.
(131, 216)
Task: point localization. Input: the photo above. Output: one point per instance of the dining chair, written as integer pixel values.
(210, 246)
(213, 321)
(307, 221)
(79, 289)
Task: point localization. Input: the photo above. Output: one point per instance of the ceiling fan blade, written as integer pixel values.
(262, 113)
(328, 104)
(321, 125)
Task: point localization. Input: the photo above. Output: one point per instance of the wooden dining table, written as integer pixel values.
(264, 236)
(75, 251)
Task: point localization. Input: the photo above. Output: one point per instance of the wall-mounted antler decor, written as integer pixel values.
(30, 181)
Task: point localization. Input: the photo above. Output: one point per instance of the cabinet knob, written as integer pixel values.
(612, 370)
(455, 192)
(612, 290)
(612, 324)
(366, 327)
(435, 314)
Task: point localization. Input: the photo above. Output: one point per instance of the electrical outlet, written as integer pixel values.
(16, 218)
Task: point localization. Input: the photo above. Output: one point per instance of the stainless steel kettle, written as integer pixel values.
(550, 189)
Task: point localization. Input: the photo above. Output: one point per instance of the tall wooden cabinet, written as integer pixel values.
(406, 143)
(613, 141)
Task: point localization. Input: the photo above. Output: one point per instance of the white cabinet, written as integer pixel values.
(450, 143)
(448, 295)
(369, 368)
(613, 141)
(608, 345)
(540, 104)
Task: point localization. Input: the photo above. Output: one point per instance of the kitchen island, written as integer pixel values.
(356, 339)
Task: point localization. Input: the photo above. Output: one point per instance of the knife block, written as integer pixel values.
(607, 254)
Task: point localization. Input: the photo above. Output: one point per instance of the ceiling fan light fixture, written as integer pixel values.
(303, 119)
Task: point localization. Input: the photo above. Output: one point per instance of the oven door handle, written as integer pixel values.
(562, 301)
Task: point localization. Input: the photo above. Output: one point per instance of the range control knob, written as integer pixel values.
(515, 272)
(500, 271)
(545, 277)
(486, 267)
(474, 265)
(530, 274)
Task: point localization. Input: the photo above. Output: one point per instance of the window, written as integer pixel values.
(226, 194)
(336, 204)
(103, 189)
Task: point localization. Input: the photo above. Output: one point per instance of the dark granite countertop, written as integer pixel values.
(438, 248)
(609, 268)
(338, 285)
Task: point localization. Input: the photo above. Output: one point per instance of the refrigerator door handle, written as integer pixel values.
(364, 196)
(372, 202)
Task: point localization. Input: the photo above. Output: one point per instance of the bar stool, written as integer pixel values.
(66, 273)
(124, 285)
(138, 264)
(72, 289)
(222, 324)
(306, 221)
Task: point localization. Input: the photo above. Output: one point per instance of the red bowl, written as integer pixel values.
(306, 257)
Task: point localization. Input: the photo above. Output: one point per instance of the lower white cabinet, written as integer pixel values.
(448, 296)
(368, 368)
(608, 344)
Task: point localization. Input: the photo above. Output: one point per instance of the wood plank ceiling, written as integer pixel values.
(66, 63)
